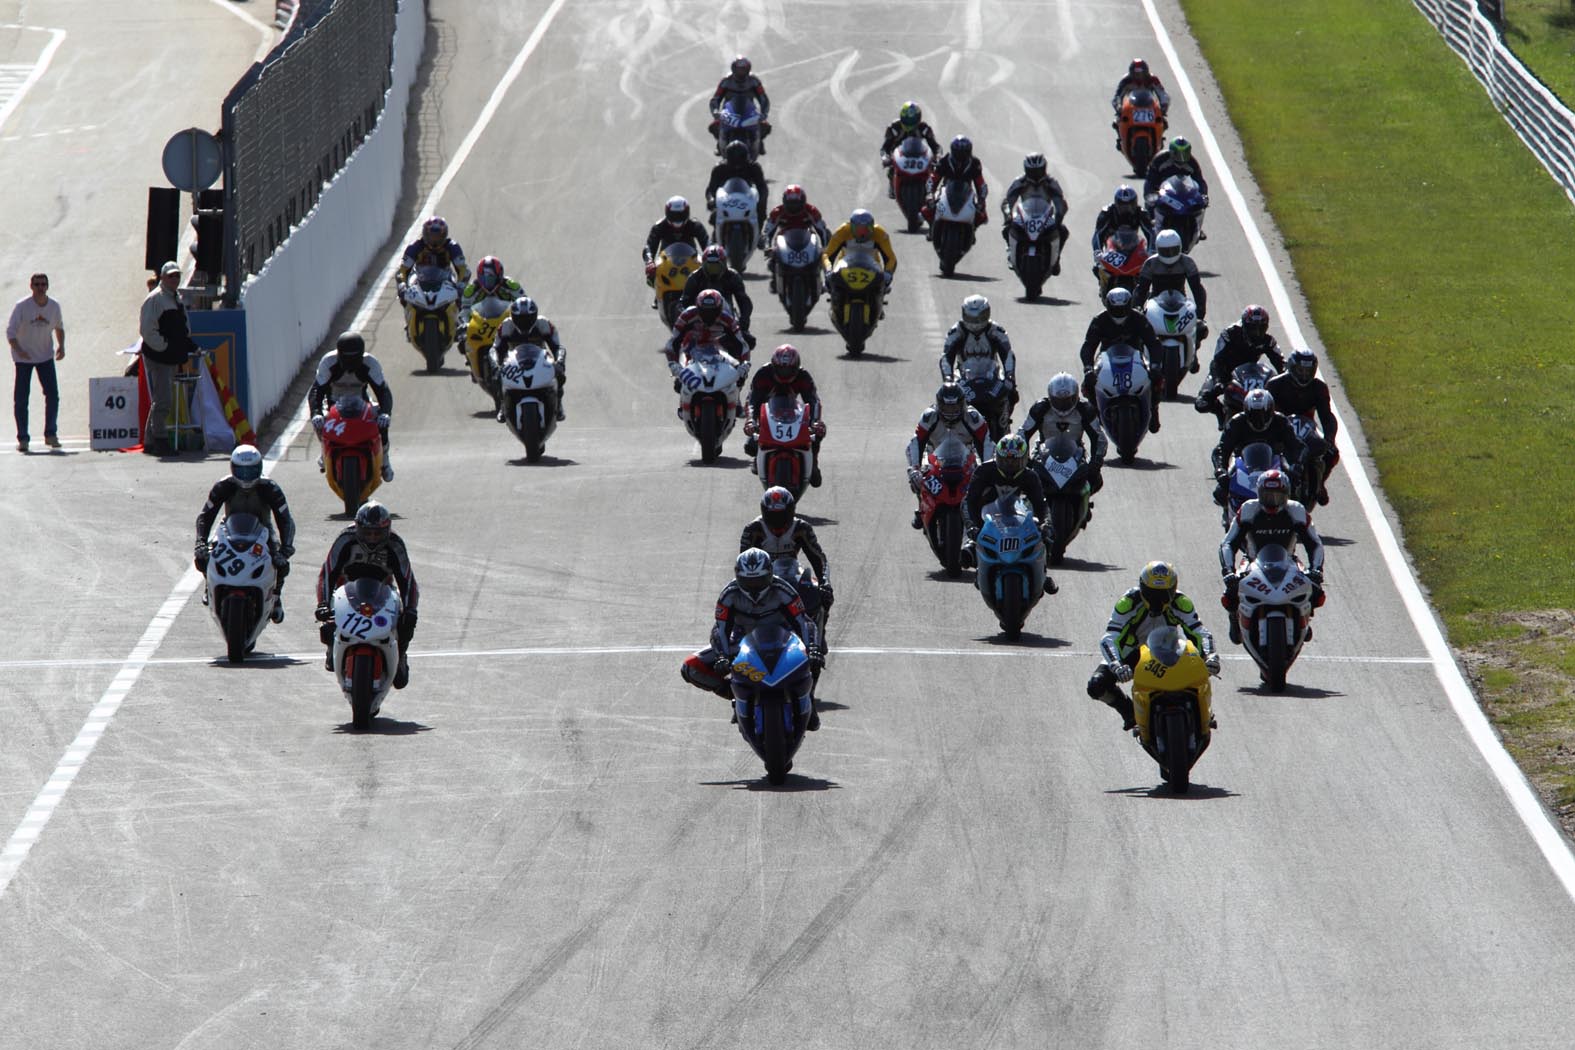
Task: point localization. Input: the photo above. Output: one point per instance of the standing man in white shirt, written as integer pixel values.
(166, 345)
(33, 320)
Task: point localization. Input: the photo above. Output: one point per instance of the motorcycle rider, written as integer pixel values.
(245, 491)
(1257, 421)
(782, 534)
(1061, 410)
(959, 163)
(973, 349)
(707, 321)
(715, 273)
(736, 164)
(1298, 391)
(754, 596)
(794, 213)
(370, 541)
(1170, 268)
(785, 375)
(860, 229)
(1154, 602)
(1138, 76)
(1120, 324)
(950, 416)
(1243, 342)
(1176, 160)
(490, 281)
(1002, 476)
(910, 121)
(526, 325)
(740, 80)
(1123, 210)
(432, 248)
(1036, 178)
(1271, 518)
(676, 227)
(349, 369)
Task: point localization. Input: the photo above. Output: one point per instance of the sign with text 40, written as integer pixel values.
(113, 417)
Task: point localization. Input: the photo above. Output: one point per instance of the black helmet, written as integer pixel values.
(523, 313)
(950, 402)
(1302, 365)
(350, 344)
(962, 149)
(1034, 165)
(776, 509)
(373, 523)
(741, 66)
(737, 154)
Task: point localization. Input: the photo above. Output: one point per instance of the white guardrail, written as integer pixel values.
(292, 301)
(1543, 122)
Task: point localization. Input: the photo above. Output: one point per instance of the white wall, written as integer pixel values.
(291, 303)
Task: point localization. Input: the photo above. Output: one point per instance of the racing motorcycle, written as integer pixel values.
(366, 612)
(799, 275)
(1174, 319)
(952, 229)
(1117, 264)
(1274, 608)
(1033, 245)
(804, 580)
(673, 267)
(1245, 469)
(910, 174)
(352, 451)
(856, 288)
(709, 384)
(528, 382)
(772, 685)
(739, 120)
(989, 393)
(1064, 469)
(785, 443)
(1141, 125)
(1179, 205)
(434, 301)
(486, 317)
(1172, 706)
(1249, 376)
(943, 485)
(1011, 565)
(737, 223)
(1122, 393)
(241, 583)
(1309, 481)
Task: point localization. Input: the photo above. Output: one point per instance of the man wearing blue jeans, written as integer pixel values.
(33, 320)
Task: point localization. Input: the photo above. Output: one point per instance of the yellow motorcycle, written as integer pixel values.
(856, 286)
(486, 317)
(1171, 704)
(673, 268)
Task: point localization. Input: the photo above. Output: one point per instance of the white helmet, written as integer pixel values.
(246, 465)
(1168, 245)
(1063, 392)
(976, 313)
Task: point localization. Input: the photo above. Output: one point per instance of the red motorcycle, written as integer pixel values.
(352, 451)
(785, 434)
(910, 175)
(1117, 264)
(943, 484)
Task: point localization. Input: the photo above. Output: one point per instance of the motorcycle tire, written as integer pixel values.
(531, 432)
(351, 484)
(773, 743)
(1276, 658)
(710, 439)
(1172, 371)
(361, 691)
(1175, 753)
(236, 616)
(433, 347)
(1142, 154)
(796, 301)
(949, 531)
(1012, 612)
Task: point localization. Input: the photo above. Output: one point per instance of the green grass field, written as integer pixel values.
(1434, 251)
(1542, 34)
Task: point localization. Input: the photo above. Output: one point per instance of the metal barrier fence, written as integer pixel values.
(1543, 122)
(291, 123)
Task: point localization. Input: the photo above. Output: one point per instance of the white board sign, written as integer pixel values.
(113, 413)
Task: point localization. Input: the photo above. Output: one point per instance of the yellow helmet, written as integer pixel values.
(1157, 581)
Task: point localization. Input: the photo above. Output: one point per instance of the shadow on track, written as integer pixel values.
(445, 370)
(1292, 691)
(383, 727)
(970, 278)
(794, 783)
(1139, 463)
(1198, 793)
(544, 461)
(1046, 300)
(1025, 641)
(867, 356)
(722, 463)
(1080, 565)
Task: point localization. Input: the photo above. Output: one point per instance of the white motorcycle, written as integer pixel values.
(1065, 470)
(1174, 319)
(1274, 608)
(366, 614)
(799, 277)
(709, 384)
(737, 226)
(241, 583)
(1033, 243)
(433, 298)
(1122, 393)
(529, 384)
(952, 229)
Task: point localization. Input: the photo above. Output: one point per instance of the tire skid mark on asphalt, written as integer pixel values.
(20, 77)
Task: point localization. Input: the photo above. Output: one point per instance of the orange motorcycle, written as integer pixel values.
(1141, 125)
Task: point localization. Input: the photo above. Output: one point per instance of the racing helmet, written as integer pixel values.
(1258, 406)
(741, 66)
(434, 232)
(1063, 392)
(1302, 365)
(736, 154)
(350, 345)
(489, 273)
(785, 363)
(862, 224)
(1157, 584)
(373, 524)
(1274, 490)
(910, 114)
(246, 464)
(523, 312)
(794, 199)
(1011, 455)
(1137, 68)
(1168, 245)
(709, 303)
(1180, 150)
(1119, 302)
(752, 570)
(976, 313)
(1255, 321)
(677, 211)
(776, 509)
(714, 260)
(1035, 165)
(950, 402)
(962, 149)
(1125, 197)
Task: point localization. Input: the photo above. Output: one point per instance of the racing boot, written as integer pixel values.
(402, 674)
(1122, 703)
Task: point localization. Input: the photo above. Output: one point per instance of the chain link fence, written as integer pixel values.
(294, 119)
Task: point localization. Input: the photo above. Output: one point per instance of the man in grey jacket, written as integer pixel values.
(166, 345)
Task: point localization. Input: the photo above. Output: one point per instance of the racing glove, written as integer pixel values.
(382, 420)
(199, 557)
(286, 551)
(323, 613)
(317, 424)
(817, 657)
(914, 480)
(826, 597)
(1096, 481)
(1212, 662)
(1122, 672)
(723, 666)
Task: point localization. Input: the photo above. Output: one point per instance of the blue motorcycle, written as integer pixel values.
(771, 685)
(1179, 205)
(1011, 563)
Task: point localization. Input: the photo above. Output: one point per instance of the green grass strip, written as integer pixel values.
(1437, 256)
(1542, 35)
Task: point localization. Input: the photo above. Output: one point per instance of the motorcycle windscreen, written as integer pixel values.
(1257, 458)
(430, 278)
(1063, 455)
(679, 253)
(785, 409)
(365, 586)
(1275, 563)
(914, 147)
(243, 530)
(773, 651)
(952, 455)
(959, 195)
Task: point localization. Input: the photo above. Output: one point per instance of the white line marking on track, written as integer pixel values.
(263, 28)
(1528, 806)
(8, 103)
(43, 808)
